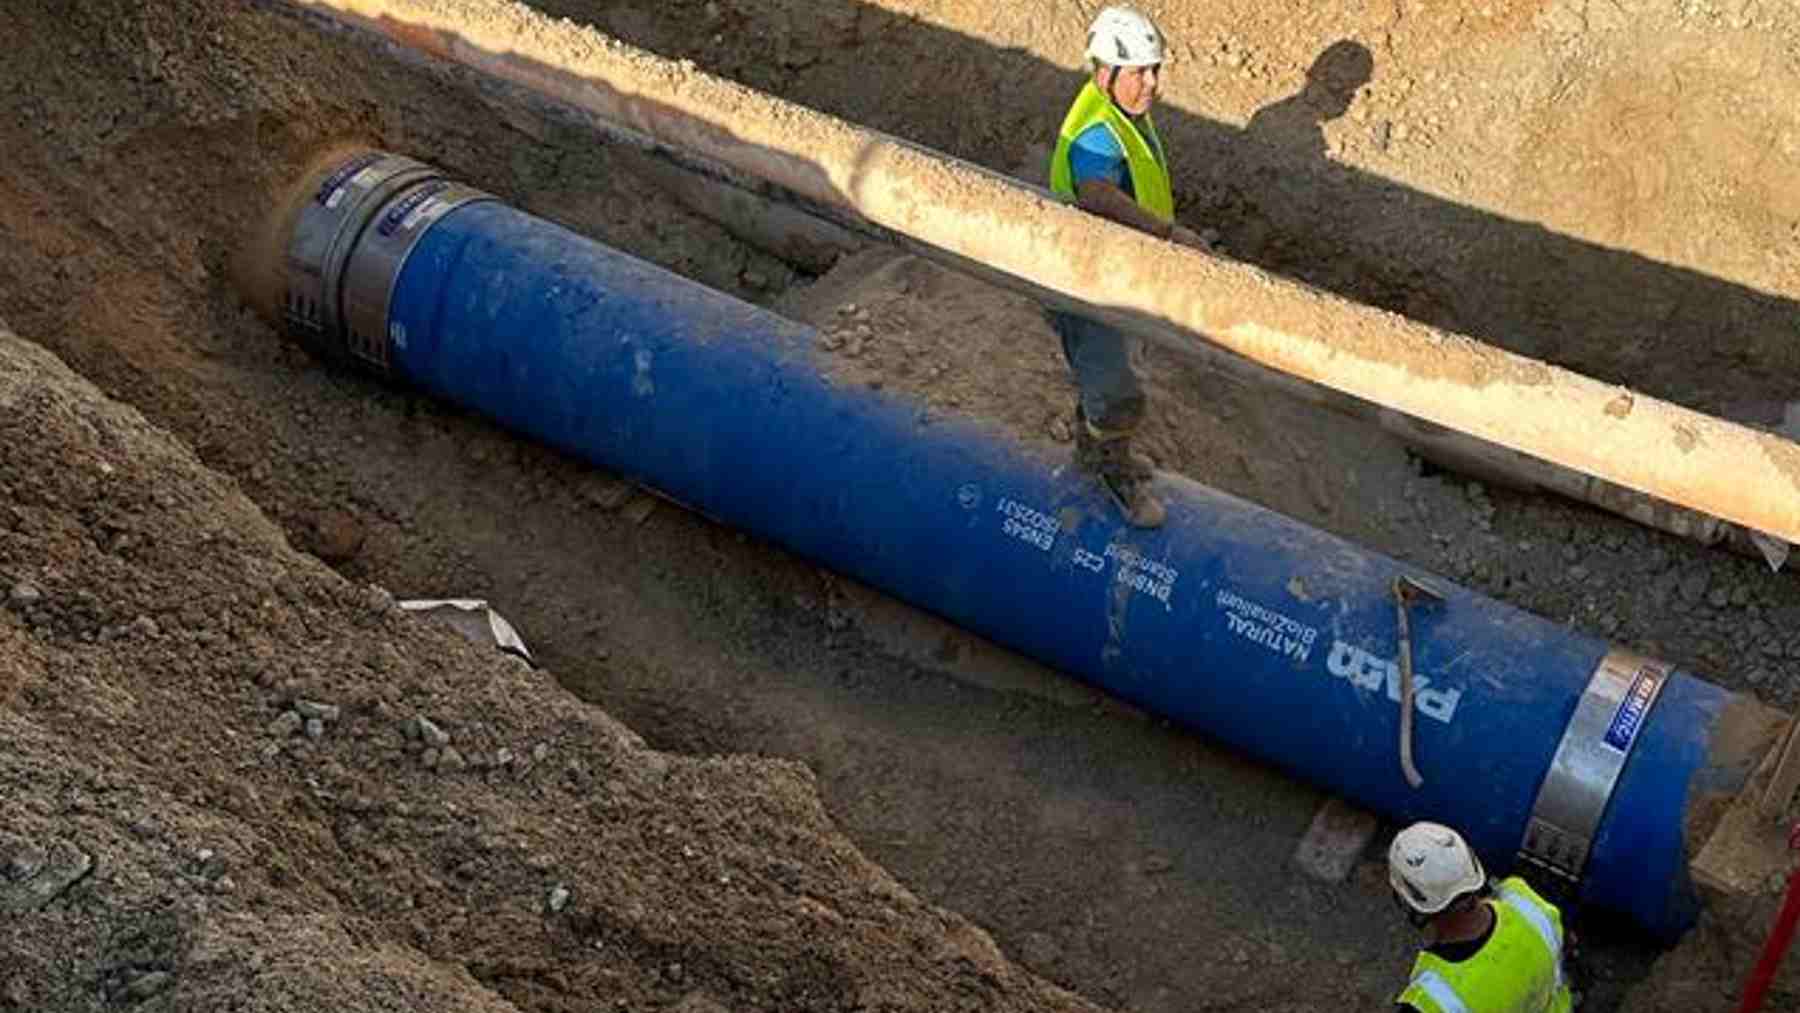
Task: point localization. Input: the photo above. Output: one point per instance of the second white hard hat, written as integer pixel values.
(1430, 866)
(1124, 37)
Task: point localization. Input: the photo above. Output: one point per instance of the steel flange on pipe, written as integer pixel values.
(1546, 747)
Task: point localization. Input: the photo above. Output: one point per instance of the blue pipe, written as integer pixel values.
(1244, 625)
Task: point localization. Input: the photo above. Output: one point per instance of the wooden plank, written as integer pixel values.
(1786, 780)
(1338, 836)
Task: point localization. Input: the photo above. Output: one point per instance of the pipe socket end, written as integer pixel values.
(325, 262)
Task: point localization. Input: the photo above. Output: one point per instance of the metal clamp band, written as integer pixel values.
(373, 267)
(1573, 798)
(325, 231)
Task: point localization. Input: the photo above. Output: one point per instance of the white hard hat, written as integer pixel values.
(1430, 866)
(1123, 37)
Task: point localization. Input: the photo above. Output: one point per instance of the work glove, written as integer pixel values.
(1188, 237)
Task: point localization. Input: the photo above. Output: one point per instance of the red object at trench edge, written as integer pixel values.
(1775, 947)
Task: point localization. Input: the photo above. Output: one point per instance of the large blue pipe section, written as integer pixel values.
(1537, 742)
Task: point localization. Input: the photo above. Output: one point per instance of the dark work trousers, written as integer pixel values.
(1100, 357)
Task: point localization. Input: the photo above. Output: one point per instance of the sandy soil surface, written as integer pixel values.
(1602, 184)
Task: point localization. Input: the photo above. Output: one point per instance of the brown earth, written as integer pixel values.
(1602, 184)
(450, 830)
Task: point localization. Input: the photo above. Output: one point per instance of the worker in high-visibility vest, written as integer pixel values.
(1493, 948)
(1110, 161)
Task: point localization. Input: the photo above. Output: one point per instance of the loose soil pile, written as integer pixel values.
(1579, 181)
(237, 780)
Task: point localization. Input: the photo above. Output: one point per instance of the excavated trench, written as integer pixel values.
(1104, 851)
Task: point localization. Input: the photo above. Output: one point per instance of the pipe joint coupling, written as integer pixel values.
(360, 220)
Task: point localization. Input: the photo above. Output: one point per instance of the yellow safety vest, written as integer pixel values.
(1518, 970)
(1143, 152)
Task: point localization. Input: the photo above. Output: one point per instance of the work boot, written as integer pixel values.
(1087, 444)
(1127, 477)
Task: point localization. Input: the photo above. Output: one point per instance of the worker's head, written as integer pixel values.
(1333, 79)
(1126, 52)
(1433, 872)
